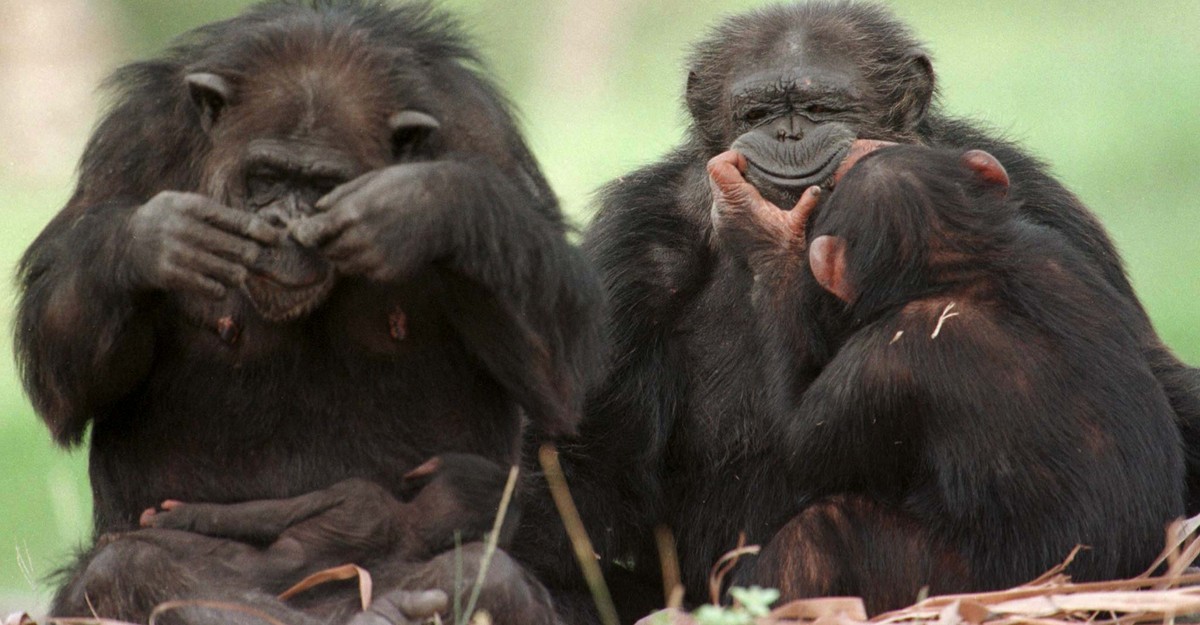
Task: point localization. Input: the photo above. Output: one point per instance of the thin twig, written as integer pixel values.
(668, 556)
(493, 539)
(585, 554)
(725, 564)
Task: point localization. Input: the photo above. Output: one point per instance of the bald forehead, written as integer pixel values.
(798, 59)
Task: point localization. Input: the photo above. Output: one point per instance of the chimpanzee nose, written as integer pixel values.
(787, 135)
(790, 128)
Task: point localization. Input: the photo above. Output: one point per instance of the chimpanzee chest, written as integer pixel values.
(367, 386)
(357, 319)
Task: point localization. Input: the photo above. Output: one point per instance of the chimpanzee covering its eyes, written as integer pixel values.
(307, 244)
(710, 352)
(978, 413)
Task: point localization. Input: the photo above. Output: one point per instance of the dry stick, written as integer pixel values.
(1184, 559)
(458, 575)
(668, 555)
(933, 604)
(1059, 568)
(492, 540)
(585, 554)
(725, 564)
(85, 620)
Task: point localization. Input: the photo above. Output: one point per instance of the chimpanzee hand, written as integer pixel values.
(188, 242)
(858, 149)
(383, 225)
(403, 607)
(744, 220)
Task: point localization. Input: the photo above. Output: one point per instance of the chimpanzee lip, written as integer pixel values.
(262, 276)
(817, 175)
(279, 302)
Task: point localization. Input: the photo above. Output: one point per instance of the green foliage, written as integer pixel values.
(755, 600)
(709, 614)
(748, 604)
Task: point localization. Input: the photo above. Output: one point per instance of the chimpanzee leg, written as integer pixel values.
(253, 521)
(848, 545)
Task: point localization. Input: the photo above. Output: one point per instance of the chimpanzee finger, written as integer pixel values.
(317, 230)
(350, 243)
(797, 218)
(725, 169)
(341, 192)
(423, 604)
(212, 266)
(367, 265)
(412, 604)
(227, 246)
(729, 185)
(180, 279)
(858, 149)
(235, 221)
(426, 469)
(730, 158)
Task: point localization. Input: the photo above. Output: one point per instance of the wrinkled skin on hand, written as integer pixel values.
(188, 242)
(744, 218)
(383, 225)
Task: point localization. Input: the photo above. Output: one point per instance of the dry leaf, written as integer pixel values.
(810, 609)
(335, 574)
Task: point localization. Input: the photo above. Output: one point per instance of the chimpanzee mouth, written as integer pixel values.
(787, 168)
(279, 302)
(288, 282)
(799, 179)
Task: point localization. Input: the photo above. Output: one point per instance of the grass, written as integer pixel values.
(1106, 91)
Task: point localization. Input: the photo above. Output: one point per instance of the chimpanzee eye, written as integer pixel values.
(755, 115)
(823, 109)
(324, 184)
(260, 189)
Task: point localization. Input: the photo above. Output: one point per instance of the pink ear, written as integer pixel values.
(989, 169)
(827, 260)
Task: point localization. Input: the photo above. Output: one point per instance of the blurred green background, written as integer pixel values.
(1107, 91)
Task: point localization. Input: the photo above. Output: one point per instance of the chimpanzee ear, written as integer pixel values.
(988, 168)
(210, 93)
(827, 260)
(919, 81)
(411, 129)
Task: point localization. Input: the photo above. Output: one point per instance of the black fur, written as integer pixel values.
(976, 403)
(709, 359)
(202, 399)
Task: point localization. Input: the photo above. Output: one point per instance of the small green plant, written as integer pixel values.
(755, 600)
(748, 604)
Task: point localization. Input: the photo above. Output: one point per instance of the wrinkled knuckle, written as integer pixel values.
(352, 214)
(237, 274)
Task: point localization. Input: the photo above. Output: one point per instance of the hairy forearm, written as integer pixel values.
(76, 336)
